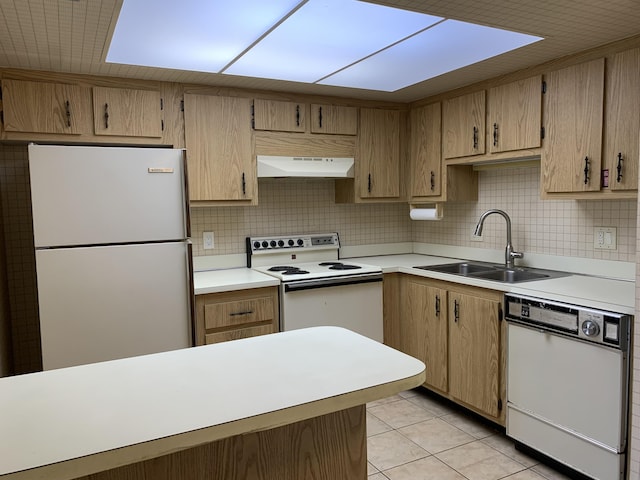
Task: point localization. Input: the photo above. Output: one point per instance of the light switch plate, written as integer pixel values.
(207, 240)
(605, 238)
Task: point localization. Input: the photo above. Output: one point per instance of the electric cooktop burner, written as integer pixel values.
(339, 266)
(287, 270)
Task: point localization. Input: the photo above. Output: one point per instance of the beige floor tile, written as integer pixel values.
(383, 401)
(436, 435)
(435, 406)
(377, 476)
(375, 426)
(525, 475)
(391, 449)
(469, 425)
(371, 469)
(409, 393)
(478, 461)
(429, 468)
(506, 446)
(400, 414)
(548, 472)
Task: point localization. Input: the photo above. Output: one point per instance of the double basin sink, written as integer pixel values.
(494, 272)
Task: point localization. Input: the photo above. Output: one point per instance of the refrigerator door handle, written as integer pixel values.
(187, 208)
(192, 293)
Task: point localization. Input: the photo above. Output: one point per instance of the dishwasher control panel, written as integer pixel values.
(592, 325)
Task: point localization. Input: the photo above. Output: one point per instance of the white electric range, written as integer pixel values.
(316, 287)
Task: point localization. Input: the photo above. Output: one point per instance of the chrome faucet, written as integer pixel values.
(509, 253)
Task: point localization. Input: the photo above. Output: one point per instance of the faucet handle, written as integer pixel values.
(516, 254)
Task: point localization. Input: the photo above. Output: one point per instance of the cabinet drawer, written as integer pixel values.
(228, 314)
(237, 334)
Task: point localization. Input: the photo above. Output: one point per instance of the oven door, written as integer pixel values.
(353, 302)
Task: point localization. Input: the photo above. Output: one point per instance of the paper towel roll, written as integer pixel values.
(425, 214)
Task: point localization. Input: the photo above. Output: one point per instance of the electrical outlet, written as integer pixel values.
(605, 238)
(207, 240)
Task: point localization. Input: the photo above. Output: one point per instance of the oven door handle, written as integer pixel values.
(330, 282)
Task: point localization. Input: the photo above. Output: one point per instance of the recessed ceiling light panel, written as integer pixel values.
(196, 35)
(448, 46)
(324, 36)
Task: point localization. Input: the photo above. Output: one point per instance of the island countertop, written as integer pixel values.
(70, 422)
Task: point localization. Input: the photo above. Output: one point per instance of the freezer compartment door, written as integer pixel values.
(104, 303)
(105, 195)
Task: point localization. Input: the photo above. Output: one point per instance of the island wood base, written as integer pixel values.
(332, 446)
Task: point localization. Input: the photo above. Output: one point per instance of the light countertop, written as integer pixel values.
(74, 421)
(584, 290)
(214, 281)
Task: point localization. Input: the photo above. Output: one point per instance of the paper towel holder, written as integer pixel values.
(426, 211)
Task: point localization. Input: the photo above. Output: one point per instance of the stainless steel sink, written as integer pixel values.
(460, 268)
(493, 271)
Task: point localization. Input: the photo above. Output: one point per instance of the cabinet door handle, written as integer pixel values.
(297, 115)
(586, 170)
(106, 115)
(433, 180)
(67, 107)
(369, 184)
(456, 311)
(475, 138)
(495, 134)
(437, 305)
(244, 185)
(320, 116)
(235, 314)
(619, 167)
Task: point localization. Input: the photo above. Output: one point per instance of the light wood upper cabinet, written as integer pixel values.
(426, 327)
(334, 119)
(279, 116)
(515, 115)
(622, 121)
(378, 153)
(127, 112)
(474, 351)
(220, 149)
(463, 121)
(40, 107)
(426, 148)
(573, 111)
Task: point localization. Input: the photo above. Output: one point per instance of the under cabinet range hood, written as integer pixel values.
(319, 167)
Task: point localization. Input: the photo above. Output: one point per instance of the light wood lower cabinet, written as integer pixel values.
(458, 332)
(238, 314)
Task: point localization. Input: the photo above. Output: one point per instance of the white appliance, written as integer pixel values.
(567, 384)
(323, 167)
(113, 260)
(315, 287)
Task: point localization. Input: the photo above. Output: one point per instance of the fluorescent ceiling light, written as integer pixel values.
(443, 48)
(347, 43)
(324, 36)
(196, 35)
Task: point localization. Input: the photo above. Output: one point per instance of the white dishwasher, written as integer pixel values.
(568, 383)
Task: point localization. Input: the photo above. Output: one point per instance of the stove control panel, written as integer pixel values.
(297, 242)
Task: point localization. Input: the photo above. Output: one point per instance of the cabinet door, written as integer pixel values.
(425, 330)
(622, 122)
(515, 115)
(474, 351)
(426, 147)
(279, 116)
(127, 112)
(379, 153)
(39, 107)
(464, 125)
(219, 148)
(334, 119)
(572, 146)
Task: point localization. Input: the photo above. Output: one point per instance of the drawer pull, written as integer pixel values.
(247, 312)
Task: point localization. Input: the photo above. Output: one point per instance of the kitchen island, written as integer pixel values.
(284, 406)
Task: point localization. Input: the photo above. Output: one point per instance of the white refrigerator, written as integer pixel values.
(113, 258)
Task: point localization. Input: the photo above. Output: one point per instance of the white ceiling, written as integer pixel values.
(72, 36)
